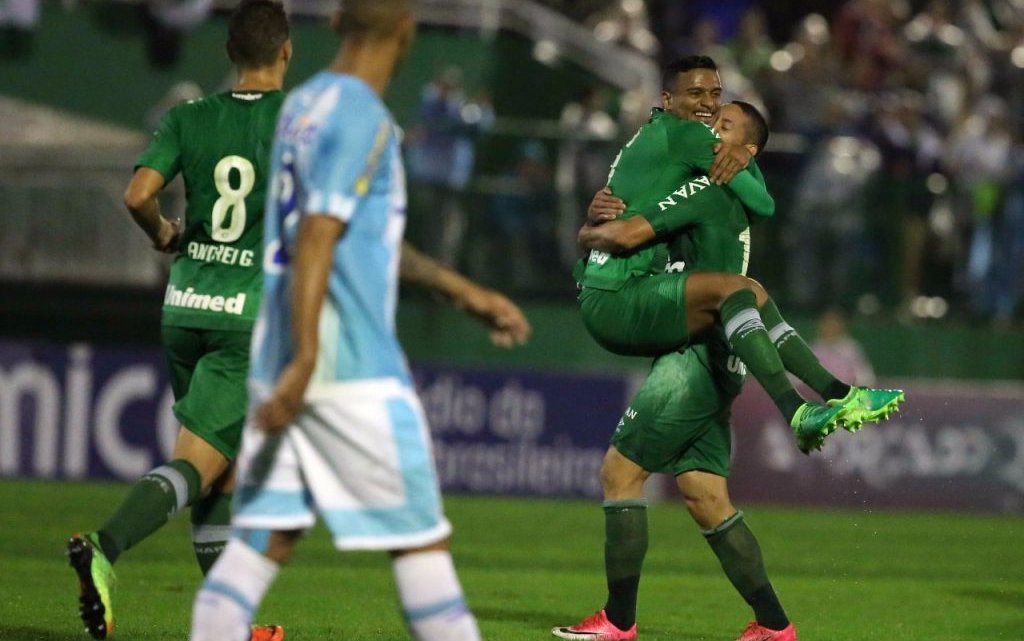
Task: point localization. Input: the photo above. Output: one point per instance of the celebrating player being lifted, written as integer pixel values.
(642, 301)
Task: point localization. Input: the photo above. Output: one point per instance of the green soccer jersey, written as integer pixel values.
(221, 145)
(658, 173)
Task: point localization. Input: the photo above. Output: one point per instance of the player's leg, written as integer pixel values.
(736, 298)
(625, 546)
(726, 531)
(860, 404)
(152, 500)
(149, 504)
(272, 508)
(662, 420)
(215, 409)
(236, 584)
(365, 453)
(431, 594)
(211, 520)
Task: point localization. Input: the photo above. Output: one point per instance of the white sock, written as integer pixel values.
(232, 591)
(432, 598)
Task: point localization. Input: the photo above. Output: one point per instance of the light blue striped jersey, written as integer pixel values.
(336, 153)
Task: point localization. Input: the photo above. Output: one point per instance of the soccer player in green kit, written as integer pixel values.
(679, 420)
(221, 146)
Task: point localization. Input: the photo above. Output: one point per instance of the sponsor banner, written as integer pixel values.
(71, 412)
(953, 446)
(520, 433)
(74, 412)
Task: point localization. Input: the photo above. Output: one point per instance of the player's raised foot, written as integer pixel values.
(755, 632)
(96, 584)
(596, 627)
(267, 633)
(867, 405)
(812, 423)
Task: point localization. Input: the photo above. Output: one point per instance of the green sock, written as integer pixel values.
(211, 527)
(150, 503)
(749, 340)
(797, 356)
(625, 544)
(740, 555)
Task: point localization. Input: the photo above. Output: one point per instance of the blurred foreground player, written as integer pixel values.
(335, 427)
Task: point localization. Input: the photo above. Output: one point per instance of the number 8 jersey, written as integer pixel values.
(221, 145)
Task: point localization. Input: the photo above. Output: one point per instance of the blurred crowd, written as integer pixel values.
(903, 122)
(909, 117)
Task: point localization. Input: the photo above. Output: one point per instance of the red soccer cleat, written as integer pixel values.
(597, 627)
(267, 633)
(755, 632)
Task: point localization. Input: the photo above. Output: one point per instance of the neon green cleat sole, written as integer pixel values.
(867, 405)
(96, 582)
(812, 423)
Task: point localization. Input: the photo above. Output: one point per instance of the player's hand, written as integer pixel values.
(285, 403)
(507, 323)
(604, 207)
(729, 160)
(167, 238)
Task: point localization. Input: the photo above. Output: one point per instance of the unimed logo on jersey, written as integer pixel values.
(190, 299)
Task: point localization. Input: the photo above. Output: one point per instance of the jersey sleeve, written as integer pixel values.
(693, 144)
(342, 165)
(164, 152)
(694, 202)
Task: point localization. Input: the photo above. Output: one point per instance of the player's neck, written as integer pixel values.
(259, 79)
(373, 62)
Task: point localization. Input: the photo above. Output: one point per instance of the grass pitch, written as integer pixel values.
(528, 565)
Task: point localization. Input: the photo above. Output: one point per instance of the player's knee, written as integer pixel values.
(730, 284)
(439, 546)
(621, 479)
(708, 508)
(281, 544)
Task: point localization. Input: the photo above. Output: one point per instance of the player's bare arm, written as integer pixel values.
(730, 159)
(604, 207)
(140, 199)
(311, 267)
(617, 236)
(507, 323)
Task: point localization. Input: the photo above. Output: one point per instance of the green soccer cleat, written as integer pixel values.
(96, 582)
(867, 405)
(812, 423)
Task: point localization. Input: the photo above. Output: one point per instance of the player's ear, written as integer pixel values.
(753, 149)
(666, 100)
(286, 51)
(407, 31)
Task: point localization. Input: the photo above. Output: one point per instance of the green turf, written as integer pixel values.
(528, 565)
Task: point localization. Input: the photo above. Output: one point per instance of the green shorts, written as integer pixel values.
(646, 317)
(678, 420)
(208, 371)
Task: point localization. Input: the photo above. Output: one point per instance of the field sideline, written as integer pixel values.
(527, 565)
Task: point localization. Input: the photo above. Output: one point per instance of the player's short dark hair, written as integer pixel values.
(372, 18)
(682, 65)
(256, 31)
(757, 125)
